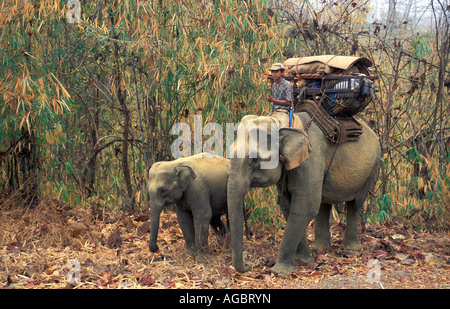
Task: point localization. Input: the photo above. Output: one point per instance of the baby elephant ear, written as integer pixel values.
(294, 147)
(185, 175)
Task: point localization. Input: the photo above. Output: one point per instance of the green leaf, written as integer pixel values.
(69, 168)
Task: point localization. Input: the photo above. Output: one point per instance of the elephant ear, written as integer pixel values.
(185, 175)
(294, 147)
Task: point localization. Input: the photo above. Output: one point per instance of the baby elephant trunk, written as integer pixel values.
(154, 227)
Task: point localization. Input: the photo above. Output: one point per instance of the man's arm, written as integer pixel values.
(281, 102)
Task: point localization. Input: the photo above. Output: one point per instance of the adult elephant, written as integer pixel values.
(330, 175)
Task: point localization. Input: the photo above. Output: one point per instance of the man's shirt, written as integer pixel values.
(283, 91)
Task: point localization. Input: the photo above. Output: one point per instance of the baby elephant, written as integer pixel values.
(198, 187)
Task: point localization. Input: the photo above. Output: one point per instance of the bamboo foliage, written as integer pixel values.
(32, 95)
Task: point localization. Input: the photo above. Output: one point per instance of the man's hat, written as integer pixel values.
(276, 67)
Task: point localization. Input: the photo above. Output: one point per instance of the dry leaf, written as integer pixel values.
(42, 266)
(143, 229)
(14, 247)
(77, 228)
(225, 271)
(148, 280)
(114, 240)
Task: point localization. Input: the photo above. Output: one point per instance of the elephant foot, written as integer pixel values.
(352, 246)
(305, 258)
(321, 245)
(242, 269)
(283, 269)
(191, 251)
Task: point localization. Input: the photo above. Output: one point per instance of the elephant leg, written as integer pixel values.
(351, 240)
(354, 211)
(322, 228)
(294, 242)
(303, 252)
(187, 227)
(202, 220)
(293, 238)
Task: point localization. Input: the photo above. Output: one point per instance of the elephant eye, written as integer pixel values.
(162, 191)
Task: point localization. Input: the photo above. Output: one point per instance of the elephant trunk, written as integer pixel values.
(236, 191)
(154, 227)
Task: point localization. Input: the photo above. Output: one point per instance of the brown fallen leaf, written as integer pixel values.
(379, 253)
(398, 236)
(168, 282)
(114, 240)
(322, 258)
(225, 271)
(418, 255)
(387, 246)
(401, 256)
(143, 229)
(431, 258)
(77, 228)
(14, 247)
(312, 265)
(141, 217)
(407, 262)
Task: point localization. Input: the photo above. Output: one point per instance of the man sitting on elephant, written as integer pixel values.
(282, 95)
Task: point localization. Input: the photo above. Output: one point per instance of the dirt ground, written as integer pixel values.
(56, 246)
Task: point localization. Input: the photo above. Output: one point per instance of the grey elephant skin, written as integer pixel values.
(198, 187)
(330, 174)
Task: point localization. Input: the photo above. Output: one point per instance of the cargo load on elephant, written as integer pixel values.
(332, 89)
(341, 84)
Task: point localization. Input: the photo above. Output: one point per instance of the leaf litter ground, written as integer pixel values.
(41, 248)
